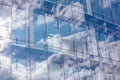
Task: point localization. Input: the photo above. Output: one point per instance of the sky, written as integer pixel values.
(72, 68)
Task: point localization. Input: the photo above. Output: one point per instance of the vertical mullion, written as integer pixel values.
(74, 51)
(0, 36)
(61, 45)
(45, 39)
(11, 43)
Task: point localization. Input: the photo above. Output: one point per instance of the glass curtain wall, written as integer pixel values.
(59, 40)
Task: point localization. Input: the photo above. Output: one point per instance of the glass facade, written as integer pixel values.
(59, 40)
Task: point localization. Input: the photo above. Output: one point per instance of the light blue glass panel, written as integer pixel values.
(19, 27)
(5, 59)
(56, 66)
(39, 23)
(65, 28)
(5, 16)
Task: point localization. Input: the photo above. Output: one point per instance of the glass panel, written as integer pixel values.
(6, 2)
(19, 68)
(83, 67)
(40, 64)
(52, 25)
(108, 71)
(98, 71)
(96, 7)
(65, 29)
(19, 27)
(5, 59)
(5, 16)
(56, 66)
(39, 23)
(59, 40)
(117, 70)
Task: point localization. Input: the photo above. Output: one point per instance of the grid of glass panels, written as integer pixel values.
(59, 40)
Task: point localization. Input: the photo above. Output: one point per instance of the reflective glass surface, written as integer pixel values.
(59, 40)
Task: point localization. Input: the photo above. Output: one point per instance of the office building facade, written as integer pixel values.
(59, 40)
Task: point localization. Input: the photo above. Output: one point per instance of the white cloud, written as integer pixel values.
(108, 48)
(18, 19)
(40, 69)
(66, 13)
(17, 74)
(107, 3)
(5, 27)
(75, 13)
(8, 2)
(45, 19)
(4, 37)
(5, 21)
(37, 3)
(55, 41)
